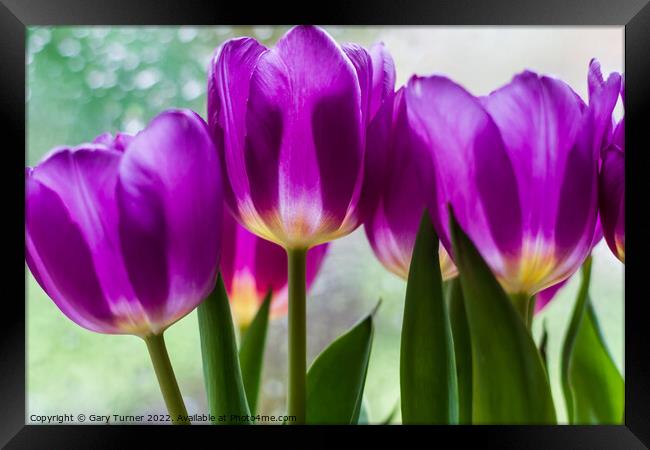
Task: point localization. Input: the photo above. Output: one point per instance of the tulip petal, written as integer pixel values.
(612, 200)
(403, 199)
(577, 206)
(539, 119)
(603, 95)
(60, 259)
(270, 266)
(85, 178)
(618, 138)
(169, 194)
(545, 296)
(383, 76)
(463, 150)
(118, 142)
(363, 65)
(594, 77)
(392, 228)
(577, 213)
(228, 87)
(375, 158)
(306, 91)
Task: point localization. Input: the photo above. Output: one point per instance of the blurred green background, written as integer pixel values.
(83, 81)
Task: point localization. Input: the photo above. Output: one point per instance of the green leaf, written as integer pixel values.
(429, 393)
(593, 387)
(221, 370)
(543, 345)
(510, 385)
(364, 418)
(391, 415)
(463, 350)
(336, 378)
(251, 352)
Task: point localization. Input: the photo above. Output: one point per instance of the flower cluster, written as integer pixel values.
(303, 143)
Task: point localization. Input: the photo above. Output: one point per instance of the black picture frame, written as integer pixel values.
(16, 15)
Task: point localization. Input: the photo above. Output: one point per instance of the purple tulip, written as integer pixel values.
(393, 225)
(544, 297)
(612, 175)
(124, 233)
(519, 168)
(290, 125)
(252, 266)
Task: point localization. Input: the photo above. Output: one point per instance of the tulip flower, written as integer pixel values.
(544, 297)
(123, 234)
(290, 125)
(612, 175)
(252, 266)
(519, 168)
(614, 143)
(393, 225)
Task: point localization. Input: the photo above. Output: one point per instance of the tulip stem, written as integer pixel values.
(242, 332)
(297, 336)
(166, 379)
(525, 306)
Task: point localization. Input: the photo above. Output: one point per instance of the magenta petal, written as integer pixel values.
(383, 76)
(84, 179)
(169, 195)
(306, 91)
(577, 207)
(594, 77)
(618, 138)
(545, 296)
(603, 95)
(375, 160)
(377, 134)
(539, 119)
(262, 154)
(60, 258)
(579, 196)
(402, 198)
(363, 65)
(393, 224)
(392, 227)
(228, 87)
(463, 152)
(612, 200)
(623, 89)
(118, 142)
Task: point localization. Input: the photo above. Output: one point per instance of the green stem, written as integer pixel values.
(525, 306)
(166, 379)
(242, 332)
(297, 336)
